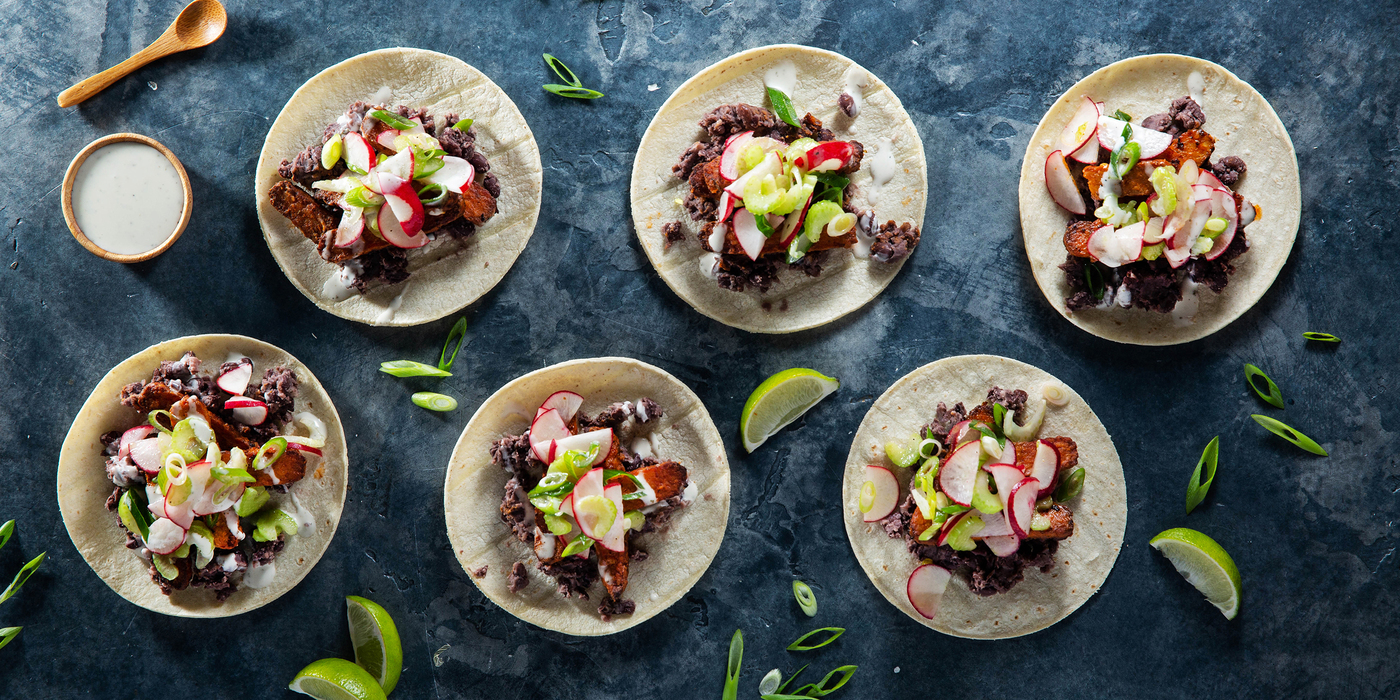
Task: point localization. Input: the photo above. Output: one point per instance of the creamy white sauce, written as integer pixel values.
(343, 120)
(648, 493)
(1196, 84)
(340, 286)
(546, 549)
(857, 79)
(387, 315)
(306, 523)
(708, 264)
(235, 357)
(688, 495)
(862, 247)
(642, 411)
(231, 520)
(382, 95)
(642, 447)
(259, 576)
(1246, 213)
(1184, 314)
(228, 562)
(882, 168)
(717, 237)
(603, 573)
(127, 198)
(1124, 298)
(782, 77)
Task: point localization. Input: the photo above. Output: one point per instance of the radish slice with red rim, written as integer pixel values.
(1022, 506)
(1046, 467)
(1060, 184)
(883, 493)
(615, 539)
(164, 536)
(235, 380)
(546, 428)
(583, 442)
(566, 402)
(958, 476)
(925, 589)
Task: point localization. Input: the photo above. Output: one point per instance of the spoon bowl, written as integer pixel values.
(200, 23)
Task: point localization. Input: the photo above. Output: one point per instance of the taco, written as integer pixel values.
(779, 189)
(1159, 200)
(398, 186)
(983, 497)
(204, 476)
(588, 496)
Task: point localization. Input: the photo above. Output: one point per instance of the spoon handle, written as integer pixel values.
(164, 45)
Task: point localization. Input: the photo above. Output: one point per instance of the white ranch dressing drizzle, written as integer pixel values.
(648, 493)
(642, 447)
(546, 550)
(857, 79)
(231, 520)
(1184, 314)
(306, 523)
(259, 576)
(882, 168)
(381, 95)
(228, 562)
(781, 77)
(387, 315)
(1196, 85)
(127, 198)
(689, 493)
(340, 286)
(642, 411)
(863, 240)
(708, 264)
(717, 237)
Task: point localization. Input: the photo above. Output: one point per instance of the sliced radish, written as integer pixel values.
(1087, 154)
(994, 525)
(1152, 233)
(615, 538)
(387, 136)
(960, 431)
(830, 155)
(1005, 476)
(1004, 545)
(1150, 143)
(948, 526)
(771, 165)
(165, 536)
(886, 495)
(455, 174)
(1022, 505)
(393, 231)
(304, 448)
(792, 224)
(1208, 179)
(925, 588)
(400, 196)
(1061, 184)
(147, 454)
(247, 411)
(1081, 128)
(588, 512)
(133, 436)
(584, 442)
(1130, 240)
(751, 239)
(235, 380)
(1232, 219)
(729, 159)
(358, 153)
(1046, 467)
(1103, 247)
(400, 165)
(957, 478)
(546, 428)
(566, 402)
(726, 206)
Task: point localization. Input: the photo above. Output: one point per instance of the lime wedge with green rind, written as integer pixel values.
(376, 640)
(336, 679)
(1205, 565)
(780, 400)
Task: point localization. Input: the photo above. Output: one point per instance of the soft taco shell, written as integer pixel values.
(83, 486)
(678, 556)
(796, 302)
(1083, 560)
(1243, 125)
(447, 274)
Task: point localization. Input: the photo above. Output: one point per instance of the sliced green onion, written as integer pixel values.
(867, 496)
(1198, 487)
(7, 634)
(1323, 337)
(1094, 279)
(22, 576)
(557, 525)
(331, 150)
(433, 401)
(577, 93)
(435, 199)
(361, 197)
(731, 671)
(392, 119)
(998, 415)
(1289, 434)
(792, 678)
(610, 474)
(1121, 116)
(154, 419)
(1214, 225)
(929, 448)
(761, 221)
(562, 71)
(806, 599)
(5, 531)
(262, 461)
(463, 125)
(1070, 486)
(409, 368)
(458, 333)
(816, 690)
(577, 545)
(1274, 397)
(770, 682)
(782, 106)
(232, 475)
(801, 643)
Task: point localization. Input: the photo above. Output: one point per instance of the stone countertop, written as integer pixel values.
(1314, 538)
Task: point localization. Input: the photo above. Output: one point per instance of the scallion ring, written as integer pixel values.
(1322, 337)
(806, 599)
(409, 368)
(801, 643)
(154, 419)
(1274, 396)
(770, 682)
(463, 125)
(577, 93)
(1070, 486)
(434, 402)
(930, 448)
(391, 119)
(1289, 434)
(278, 447)
(1199, 486)
(22, 576)
(458, 333)
(731, 670)
(867, 496)
(562, 71)
(5, 531)
(7, 634)
(434, 200)
(577, 545)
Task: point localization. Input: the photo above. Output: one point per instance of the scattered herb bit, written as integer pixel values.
(769, 684)
(459, 333)
(806, 599)
(22, 576)
(7, 634)
(464, 124)
(392, 119)
(1289, 434)
(562, 71)
(800, 644)
(1274, 396)
(5, 531)
(792, 678)
(423, 197)
(1070, 486)
(736, 658)
(998, 416)
(576, 93)
(820, 689)
(409, 368)
(1121, 116)
(831, 187)
(1197, 488)
(1094, 279)
(434, 402)
(576, 545)
(1323, 337)
(782, 106)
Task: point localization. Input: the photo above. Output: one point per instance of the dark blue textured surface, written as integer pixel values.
(1314, 538)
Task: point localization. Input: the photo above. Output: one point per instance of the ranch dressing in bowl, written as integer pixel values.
(126, 198)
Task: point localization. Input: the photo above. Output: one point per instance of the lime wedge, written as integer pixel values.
(376, 640)
(1205, 566)
(780, 400)
(336, 679)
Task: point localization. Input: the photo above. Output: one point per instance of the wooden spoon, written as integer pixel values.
(199, 24)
